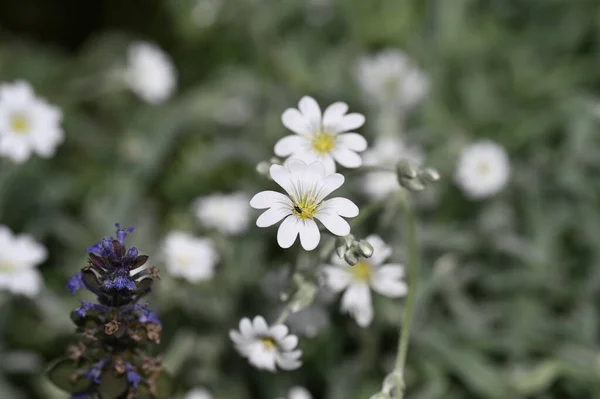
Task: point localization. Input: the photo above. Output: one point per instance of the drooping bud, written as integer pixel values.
(350, 256)
(364, 248)
(429, 175)
(340, 246)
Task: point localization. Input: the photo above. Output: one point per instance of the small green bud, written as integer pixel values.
(263, 168)
(340, 246)
(364, 248)
(429, 175)
(412, 184)
(406, 170)
(350, 256)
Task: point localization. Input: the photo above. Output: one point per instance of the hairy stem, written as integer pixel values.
(413, 278)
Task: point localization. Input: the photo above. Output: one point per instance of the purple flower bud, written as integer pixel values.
(123, 283)
(132, 376)
(75, 283)
(95, 371)
(149, 316)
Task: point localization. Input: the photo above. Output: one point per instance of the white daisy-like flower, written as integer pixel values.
(28, 124)
(188, 257)
(150, 73)
(386, 152)
(226, 213)
(266, 347)
(483, 169)
(390, 76)
(298, 393)
(19, 255)
(198, 393)
(367, 274)
(322, 137)
(306, 187)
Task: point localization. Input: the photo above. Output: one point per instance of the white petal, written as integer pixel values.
(330, 184)
(237, 338)
(263, 359)
(26, 282)
(357, 301)
(288, 230)
(333, 223)
(309, 234)
(287, 362)
(329, 163)
(299, 393)
(246, 328)
(334, 113)
(342, 206)
(272, 216)
(381, 251)
(281, 175)
(260, 325)
(311, 110)
(289, 342)
(346, 157)
(336, 278)
(278, 332)
(289, 145)
(351, 122)
(267, 199)
(387, 281)
(352, 141)
(296, 122)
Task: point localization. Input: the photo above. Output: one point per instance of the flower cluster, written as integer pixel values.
(117, 330)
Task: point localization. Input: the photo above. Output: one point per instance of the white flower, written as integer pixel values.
(386, 152)
(306, 186)
(266, 347)
(298, 393)
(322, 137)
(483, 169)
(27, 123)
(19, 255)
(150, 73)
(357, 280)
(228, 214)
(390, 76)
(188, 257)
(198, 393)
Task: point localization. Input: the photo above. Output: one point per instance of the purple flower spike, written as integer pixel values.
(75, 283)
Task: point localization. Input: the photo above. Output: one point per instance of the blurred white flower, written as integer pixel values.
(188, 257)
(390, 76)
(27, 123)
(483, 169)
(19, 255)
(357, 280)
(198, 393)
(306, 186)
(227, 213)
(322, 137)
(298, 393)
(150, 73)
(386, 152)
(266, 347)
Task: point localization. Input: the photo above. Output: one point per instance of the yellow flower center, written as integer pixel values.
(268, 342)
(362, 271)
(19, 123)
(305, 207)
(323, 142)
(7, 267)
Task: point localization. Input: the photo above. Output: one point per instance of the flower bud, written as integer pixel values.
(406, 170)
(364, 249)
(340, 246)
(429, 175)
(412, 184)
(350, 256)
(263, 168)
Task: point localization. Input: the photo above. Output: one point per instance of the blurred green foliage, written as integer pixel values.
(510, 290)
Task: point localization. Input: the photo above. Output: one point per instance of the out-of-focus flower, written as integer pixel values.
(150, 73)
(298, 393)
(19, 255)
(306, 187)
(322, 137)
(390, 76)
(198, 393)
(27, 123)
(191, 258)
(266, 347)
(226, 213)
(386, 152)
(483, 169)
(367, 274)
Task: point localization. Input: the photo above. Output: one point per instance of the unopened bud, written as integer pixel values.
(263, 168)
(350, 256)
(340, 246)
(412, 184)
(406, 170)
(429, 175)
(275, 161)
(365, 249)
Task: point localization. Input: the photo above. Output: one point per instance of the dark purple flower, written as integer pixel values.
(132, 376)
(149, 316)
(130, 256)
(95, 371)
(75, 283)
(123, 283)
(122, 233)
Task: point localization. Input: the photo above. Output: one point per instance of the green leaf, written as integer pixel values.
(60, 372)
(111, 385)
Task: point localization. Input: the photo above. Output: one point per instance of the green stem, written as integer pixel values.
(413, 276)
